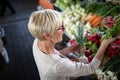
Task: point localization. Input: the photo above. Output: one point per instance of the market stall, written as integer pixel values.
(89, 25)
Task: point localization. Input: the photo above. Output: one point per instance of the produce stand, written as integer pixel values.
(101, 19)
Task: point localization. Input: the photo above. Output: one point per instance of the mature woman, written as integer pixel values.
(47, 27)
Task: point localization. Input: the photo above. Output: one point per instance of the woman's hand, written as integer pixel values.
(106, 42)
(100, 53)
(74, 48)
(70, 49)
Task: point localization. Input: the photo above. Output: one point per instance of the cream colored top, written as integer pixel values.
(55, 67)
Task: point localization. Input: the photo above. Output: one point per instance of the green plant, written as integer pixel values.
(80, 39)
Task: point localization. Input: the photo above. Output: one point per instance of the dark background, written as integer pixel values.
(19, 42)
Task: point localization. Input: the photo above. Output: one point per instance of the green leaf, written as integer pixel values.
(79, 36)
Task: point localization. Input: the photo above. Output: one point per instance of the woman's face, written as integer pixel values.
(57, 35)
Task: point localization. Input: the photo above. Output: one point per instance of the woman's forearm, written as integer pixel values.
(100, 53)
(64, 51)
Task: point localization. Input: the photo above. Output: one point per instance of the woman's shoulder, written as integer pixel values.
(35, 43)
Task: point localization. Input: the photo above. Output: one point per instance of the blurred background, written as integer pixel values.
(16, 42)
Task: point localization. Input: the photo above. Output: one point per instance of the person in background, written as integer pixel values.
(4, 4)
(49, 4)
(55, 6)
(46, 4)
(47, 27)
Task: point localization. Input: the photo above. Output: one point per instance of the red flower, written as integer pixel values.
(72, 42)
(87, 52)
(87, 33)
(90, 58)
(110, 21)
(95, 38)
(113, 49)
(117, 41)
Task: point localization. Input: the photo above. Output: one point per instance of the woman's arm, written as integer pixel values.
(65, 67)
(100, 53)
(70, 49)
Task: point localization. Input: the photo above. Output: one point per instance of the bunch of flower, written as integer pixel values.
(112, 53)
(108, 75)
(109, 21)
(113, 30)
(92, 40)
(113, 49)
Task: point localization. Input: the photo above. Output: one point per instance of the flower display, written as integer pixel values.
(91, 45)
(91, 42)
(109, 21)
(113, 49)
(100, 21)
(105, 75)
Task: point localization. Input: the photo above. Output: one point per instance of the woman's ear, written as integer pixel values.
(46, 36)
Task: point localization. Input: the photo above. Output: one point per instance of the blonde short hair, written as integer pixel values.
(44, 21)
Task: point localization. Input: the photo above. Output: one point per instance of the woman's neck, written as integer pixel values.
(46, 47)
